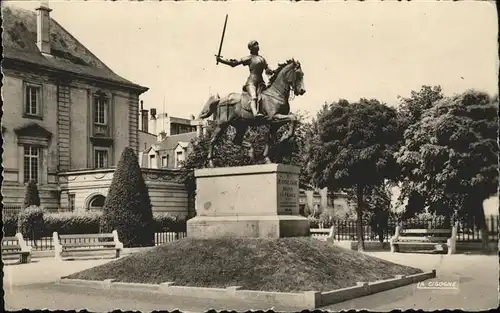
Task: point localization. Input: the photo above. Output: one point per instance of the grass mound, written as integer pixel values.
(286, 264)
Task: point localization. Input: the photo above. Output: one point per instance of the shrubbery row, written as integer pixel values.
(77, 223)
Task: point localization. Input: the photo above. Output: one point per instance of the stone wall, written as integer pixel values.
(166, 195)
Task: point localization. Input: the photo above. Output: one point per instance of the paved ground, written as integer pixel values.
(31, 286)
(478, 284)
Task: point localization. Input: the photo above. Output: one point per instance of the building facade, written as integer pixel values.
(66, 116)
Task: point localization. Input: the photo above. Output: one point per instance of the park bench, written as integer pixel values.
(438, 238)
(16, 246)
(323, 234)
(69, 245)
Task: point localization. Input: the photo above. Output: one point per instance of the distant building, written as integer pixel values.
(173, 139)
(146, 138)
(164, 125)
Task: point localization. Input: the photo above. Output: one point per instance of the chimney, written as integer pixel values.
(153, 121)
(162, 136)
(192, 117)
(43, 27)
(144, 116)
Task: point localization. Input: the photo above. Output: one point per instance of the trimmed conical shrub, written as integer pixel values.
(32, 197)
(127, 207)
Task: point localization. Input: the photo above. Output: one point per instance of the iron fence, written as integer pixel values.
(46, 243)
(9, 210)
(161, 238)
(467, 230)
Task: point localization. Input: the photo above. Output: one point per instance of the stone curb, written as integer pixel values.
(307, 299)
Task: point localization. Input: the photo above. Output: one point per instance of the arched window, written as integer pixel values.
(96, 203)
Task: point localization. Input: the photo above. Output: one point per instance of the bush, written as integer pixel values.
(313, 221)
(327, 218)
(69, 223)
(425, 220)
(165, 222)
(127, 208)
(9, 224)
(30, 222)
(32, 196)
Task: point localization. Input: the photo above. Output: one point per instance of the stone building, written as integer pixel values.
(60, 116)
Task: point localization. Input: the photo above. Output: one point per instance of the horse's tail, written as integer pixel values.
(210, 107)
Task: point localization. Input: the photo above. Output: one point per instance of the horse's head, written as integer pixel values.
(291, 74)
(298, 79)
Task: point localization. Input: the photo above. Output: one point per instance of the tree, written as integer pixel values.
(378, 202)
(410, 111)
(32, 196)
(228, 154)
(127, 208)
(450, 156)
(354, 149)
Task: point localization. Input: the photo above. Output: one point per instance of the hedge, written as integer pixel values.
(9, 224)
(71, 223)
(30, 222)
(88, 223)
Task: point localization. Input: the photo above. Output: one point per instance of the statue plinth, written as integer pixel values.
(257, 201)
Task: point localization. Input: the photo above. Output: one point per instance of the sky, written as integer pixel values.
(347, 49)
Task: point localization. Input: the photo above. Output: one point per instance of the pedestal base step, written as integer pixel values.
(276, 226)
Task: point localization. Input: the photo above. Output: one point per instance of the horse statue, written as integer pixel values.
(234, 109)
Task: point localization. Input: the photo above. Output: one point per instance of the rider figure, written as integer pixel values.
(256, 64)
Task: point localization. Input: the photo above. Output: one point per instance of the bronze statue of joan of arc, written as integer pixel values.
(255, 82)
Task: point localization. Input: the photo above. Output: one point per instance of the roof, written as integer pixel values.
(183, 144)
(19, 38)
(171, 142)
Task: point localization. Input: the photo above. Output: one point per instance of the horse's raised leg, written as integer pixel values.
(291, 119)
(241, 130)
(273, 128)
(218, 131)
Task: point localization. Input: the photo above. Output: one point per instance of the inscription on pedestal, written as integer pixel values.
(288, 193)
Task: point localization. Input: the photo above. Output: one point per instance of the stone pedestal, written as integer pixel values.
(258, 201)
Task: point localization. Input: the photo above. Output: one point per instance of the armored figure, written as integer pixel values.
(255, 82)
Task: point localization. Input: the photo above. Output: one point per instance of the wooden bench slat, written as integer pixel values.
(15, 253)
(88, 244)
(85, 236)
(417, 243)
(426, 231)
(425, 237)
(89, 249)
(11, 247)
(85, 243)
(410, 238)
(10, 239)
(15, 245)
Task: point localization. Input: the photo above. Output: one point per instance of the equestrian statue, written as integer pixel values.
(258, 103)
